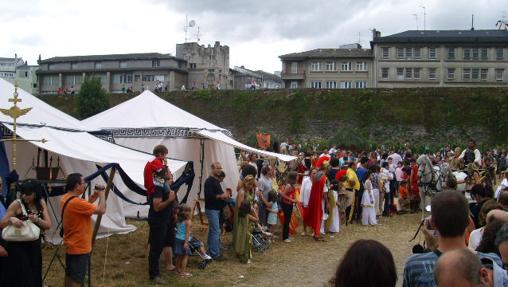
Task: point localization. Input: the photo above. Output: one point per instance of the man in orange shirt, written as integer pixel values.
(77, 226)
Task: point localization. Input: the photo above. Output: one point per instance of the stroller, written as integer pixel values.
(197, 249)
(260, 240)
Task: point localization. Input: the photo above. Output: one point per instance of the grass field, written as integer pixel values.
(121, 260)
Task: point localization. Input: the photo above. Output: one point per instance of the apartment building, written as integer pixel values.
(345, 67)
(245, 79)
(118, 73)
(440, 58)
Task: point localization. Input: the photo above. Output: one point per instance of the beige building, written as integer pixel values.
(208, 67)
(346, 68)
(118, 73)
(440, 58)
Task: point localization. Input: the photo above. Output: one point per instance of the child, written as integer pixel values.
(368, 209)
(273, 210)
(403, 197)
(182, 250)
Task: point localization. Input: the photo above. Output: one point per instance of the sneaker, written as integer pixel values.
(287, 240)
(207, 257)
(158, 280)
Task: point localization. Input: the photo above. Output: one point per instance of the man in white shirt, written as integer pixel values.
(305, 192)
(471, 154)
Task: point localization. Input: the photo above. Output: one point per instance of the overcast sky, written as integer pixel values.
(256, 31)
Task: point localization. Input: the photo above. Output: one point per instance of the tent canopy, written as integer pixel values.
(67, 136)
(148, 111)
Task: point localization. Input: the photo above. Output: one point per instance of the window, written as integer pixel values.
(148, 78)
(316, 84)
(98, 65)
(361, 85)
(126, 78)
(499, 54)
(400, 73)
(467, 54)
(499, 74)
(451, 53)
(345, 66)
(123, 64)
(361, 66)
(156, 63)
(484, 53)
(409, 52)
(294, 67)
(432, 53)
(346, 85)
(331, 85)
(475, 73)
(384, 73)
(475, 54)
(400, 53)
(136, 78)
(451, 74)
(418, 53)
(192, 66)
(409, 73)
(386, 52)
(293, 85)
(466, 74)
(432, 73)
(483, 74)
(416, 73)
(330, 66)
(314, 66)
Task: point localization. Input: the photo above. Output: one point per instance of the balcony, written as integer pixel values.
(300, 75)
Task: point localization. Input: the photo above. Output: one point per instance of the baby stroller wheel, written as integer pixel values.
(203, 264)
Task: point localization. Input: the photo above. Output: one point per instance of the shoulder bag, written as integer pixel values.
(28, 232)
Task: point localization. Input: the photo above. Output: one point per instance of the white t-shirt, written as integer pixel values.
(475, 238)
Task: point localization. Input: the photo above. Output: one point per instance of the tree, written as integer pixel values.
(92, 98)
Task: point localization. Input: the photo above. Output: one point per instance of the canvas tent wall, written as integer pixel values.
(152, 120)
(77, 151)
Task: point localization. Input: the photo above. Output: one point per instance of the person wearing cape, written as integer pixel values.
(314, 217)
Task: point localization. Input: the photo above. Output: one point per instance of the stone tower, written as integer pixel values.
(208, 67)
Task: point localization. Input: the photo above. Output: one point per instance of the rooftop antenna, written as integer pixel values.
(198, 35)
(424, 17)
(472, 22)
(416, 20)
(188, 24)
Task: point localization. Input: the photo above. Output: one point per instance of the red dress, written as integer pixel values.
(314, 212)
(415, 191)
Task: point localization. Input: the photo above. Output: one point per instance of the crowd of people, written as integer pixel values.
(317, 192)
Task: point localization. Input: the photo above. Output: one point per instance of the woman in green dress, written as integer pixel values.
(245, 217)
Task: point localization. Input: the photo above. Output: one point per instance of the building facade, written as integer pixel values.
(245, 79)
(118, 73)
(26, 78)
(447, 58)
(208, 67)
(328, 68)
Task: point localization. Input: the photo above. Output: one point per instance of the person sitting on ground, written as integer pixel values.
(461, 268)
(366, 263)
(450, 218)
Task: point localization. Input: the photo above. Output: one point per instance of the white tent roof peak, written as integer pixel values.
(147, 111)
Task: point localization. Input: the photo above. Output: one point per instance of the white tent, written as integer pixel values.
(75, 149)
(147, 120)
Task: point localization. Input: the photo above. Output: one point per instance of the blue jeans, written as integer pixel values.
(213, 232)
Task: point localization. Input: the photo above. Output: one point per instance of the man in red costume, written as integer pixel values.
(317, 204)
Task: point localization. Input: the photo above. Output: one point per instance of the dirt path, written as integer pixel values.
(303, 262)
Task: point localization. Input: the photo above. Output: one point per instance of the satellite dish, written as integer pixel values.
(192, 23)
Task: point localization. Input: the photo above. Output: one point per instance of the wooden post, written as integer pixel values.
(99, 216)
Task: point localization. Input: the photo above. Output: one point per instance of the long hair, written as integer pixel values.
(248, 183)
(33, 186)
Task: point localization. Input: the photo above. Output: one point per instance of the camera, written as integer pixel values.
(99, 187)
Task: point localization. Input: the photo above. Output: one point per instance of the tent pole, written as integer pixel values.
(202, 162)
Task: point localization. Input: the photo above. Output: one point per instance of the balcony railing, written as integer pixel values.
(300, 75)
